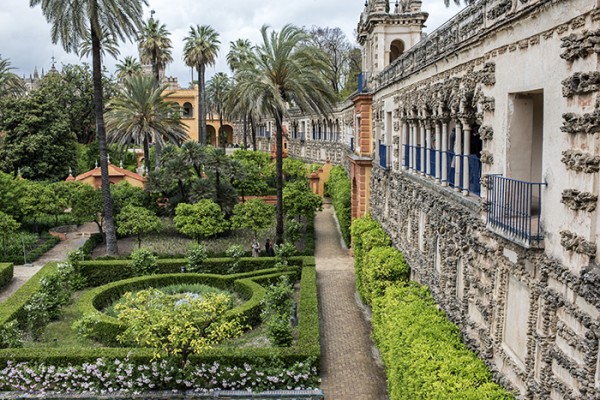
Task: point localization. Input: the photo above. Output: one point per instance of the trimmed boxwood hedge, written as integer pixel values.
(101, 272)
(339, 189)
(422, 350)
(306, 348)
(49, 242)
(6, 274)
(90, 244)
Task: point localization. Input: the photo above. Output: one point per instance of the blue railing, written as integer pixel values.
(514, 209)
(453, 162)
(383, 156)
(362, 82)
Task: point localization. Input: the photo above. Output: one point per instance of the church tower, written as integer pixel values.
(385, 33)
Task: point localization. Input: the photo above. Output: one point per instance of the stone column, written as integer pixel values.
(428, 147)
(411, 138)
(405, 140)
(422, 145)
(457, 155)
(466, 153)
(438, 148)
(444, 152)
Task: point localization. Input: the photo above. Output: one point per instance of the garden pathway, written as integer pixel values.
(349, 369)
(73, 241)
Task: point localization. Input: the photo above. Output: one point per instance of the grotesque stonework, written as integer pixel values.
(588, 123)
(571, 242)
(581, 83)
(578, 201)
(580, 45)
(579, 161)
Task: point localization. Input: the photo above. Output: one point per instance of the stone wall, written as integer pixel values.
(533, 322)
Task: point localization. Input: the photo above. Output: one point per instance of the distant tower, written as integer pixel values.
(385, 35)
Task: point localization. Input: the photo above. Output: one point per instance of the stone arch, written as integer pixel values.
(396, 49)
(211, 135)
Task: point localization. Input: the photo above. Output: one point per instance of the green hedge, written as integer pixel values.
(423, 352)
(101, 272)
(6, 274)
(307, 347)
(48, 242)
(339, 189)
(12, 308)
(366, 234)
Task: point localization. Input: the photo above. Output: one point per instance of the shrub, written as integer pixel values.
(90, 244)
(423, 353)
(38, 315)
(236, 252)
(6, 274)
(10, 335)
(143, 262)
(383, 266)
(196, 257)
(339, 189)
(366, 234)
(277, 312)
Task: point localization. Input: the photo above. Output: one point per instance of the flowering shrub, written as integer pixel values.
(109, 376)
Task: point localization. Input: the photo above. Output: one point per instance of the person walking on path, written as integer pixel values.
(349, 369)
(255, 248)
(269, 248)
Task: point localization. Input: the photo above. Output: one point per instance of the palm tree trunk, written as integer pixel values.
(245, 122)
(109, 222)
(157, 153)
(146, 154)
(253, 128)
(279, 176)
(157, 145)
(201, 105)
(221, 129)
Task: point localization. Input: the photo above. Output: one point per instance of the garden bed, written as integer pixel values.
(224, 367)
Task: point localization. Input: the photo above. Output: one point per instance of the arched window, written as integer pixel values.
(396, 49)
(188, 110)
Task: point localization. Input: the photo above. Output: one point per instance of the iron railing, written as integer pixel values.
(453, 162)
(514, 209)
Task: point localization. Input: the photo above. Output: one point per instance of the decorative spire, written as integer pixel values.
(121, 164)
(96, 164)
(108, 157)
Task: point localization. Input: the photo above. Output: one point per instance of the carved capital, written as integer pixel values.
(577, 244)
(486, 132)
(579, 201)
(487, 158)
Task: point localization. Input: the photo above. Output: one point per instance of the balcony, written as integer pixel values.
(455, 167)
(514, 208)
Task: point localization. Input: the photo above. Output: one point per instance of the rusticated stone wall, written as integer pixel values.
(529, 318)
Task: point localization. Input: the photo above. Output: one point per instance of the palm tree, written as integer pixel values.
(129, 67)
(108, 45)
(217, 89)
(286, 71)
(10, 83)
(155, 49)
(240, 54)
(71, 21)
(142, 113)
(155, 46)
(200, 50)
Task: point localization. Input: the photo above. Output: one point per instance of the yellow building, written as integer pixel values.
(188, 101)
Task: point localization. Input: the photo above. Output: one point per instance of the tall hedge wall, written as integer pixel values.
(422, 350)
(340, 192)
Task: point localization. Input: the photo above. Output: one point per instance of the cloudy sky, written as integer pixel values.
(25, 34)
